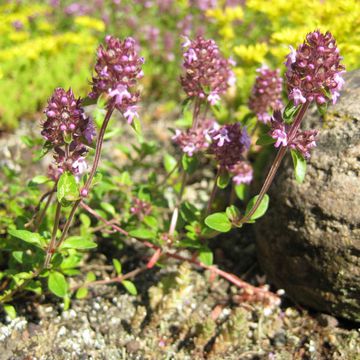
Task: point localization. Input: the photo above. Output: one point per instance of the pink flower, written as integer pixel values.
(207, 73)
(297, 96)
(266, 93)
(315, 69)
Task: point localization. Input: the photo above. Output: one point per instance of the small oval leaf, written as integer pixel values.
(57, 284)
(219, 222)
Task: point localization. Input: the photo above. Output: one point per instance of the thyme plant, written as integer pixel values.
(42, 250)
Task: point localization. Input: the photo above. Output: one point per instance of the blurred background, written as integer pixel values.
(49, 43)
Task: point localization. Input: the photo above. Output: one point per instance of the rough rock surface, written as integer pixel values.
(309, 241)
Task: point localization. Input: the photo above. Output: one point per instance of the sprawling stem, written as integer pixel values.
(276, 163)
(52, 244)
(118, 279)
(228, 276)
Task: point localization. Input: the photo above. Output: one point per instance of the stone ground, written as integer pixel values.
(179, 313)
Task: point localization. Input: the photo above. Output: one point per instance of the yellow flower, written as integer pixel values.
(252, 53)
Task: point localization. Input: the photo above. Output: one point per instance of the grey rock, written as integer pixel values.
(309, 241)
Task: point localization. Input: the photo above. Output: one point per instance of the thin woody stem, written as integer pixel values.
(228, 276)
(118, 279)
(91, 174)
(276, 163)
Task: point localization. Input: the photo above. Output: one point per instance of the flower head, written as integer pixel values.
(207, 72)
(304, 141)
(140, 208)
(278, 130)
(229, 143)
(68, 131)
(66, 120)
(314, 70)
(242, 172)
(192, 141)
(266, 93)
(117, 69)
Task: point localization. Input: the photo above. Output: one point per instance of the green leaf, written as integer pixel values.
(169, 163)
(40, 179)
(322, 108)
(18, 256)
(78, 242)
(66, 303)
(233, 213)
(223, 180)
(117, 266)
(151, 221)
(90, 277)
(189, 163)
(261, 210)
(85, 220)
(130, 287)
(108, 208)
(10, 311)
(240, 191)
(290, 112)
(206, 256)
(81, 293)
(219, 222)
(27, 236)
(57, 284)
(67, 189)
(265, 139)
(142, 233)
(299, 166)
(34, 286)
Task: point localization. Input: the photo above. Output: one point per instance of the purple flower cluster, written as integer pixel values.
(67, 130)
(203, 5)
(192, 140)
(302, 141)
(207, 73)
(66, 120)
(242, 172)
(229, 143)
(140, 208)
(118, 68)
(266, 93)
(314, 70)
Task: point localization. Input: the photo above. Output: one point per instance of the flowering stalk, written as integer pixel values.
(275, 165)
(85, 189)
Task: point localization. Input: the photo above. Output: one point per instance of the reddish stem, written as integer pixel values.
(276, 163)
(228, 276)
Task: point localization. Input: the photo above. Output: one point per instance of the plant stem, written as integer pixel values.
(118, 279)
(91, 174)
(228, 276)
(51, 247)
(276, 163)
